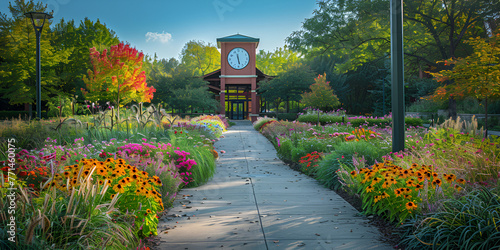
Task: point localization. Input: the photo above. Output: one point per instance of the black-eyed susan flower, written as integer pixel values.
(148, 211)
(369, 188)
(66, 174)
(376, 180)
(354, 173)
(458, 188)
(450, 178)
(397, 192)
(101, 171)
(411, 205)
(418, 187)
(461, 181)
(437, 181)
(119, 188)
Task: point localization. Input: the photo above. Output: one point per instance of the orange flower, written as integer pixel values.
(411, 206)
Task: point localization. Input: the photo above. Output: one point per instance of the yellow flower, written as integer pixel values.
(148, 211)
(386, 184)
(411, 206)
(458, 188)
(461, 181)
(119, 188)
(436, 182)
(397, 192)
(369, 188)
(376, 180)
(353, 173)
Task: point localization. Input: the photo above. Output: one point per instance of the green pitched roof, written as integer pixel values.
(237, 38)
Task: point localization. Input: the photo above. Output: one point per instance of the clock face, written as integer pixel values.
(238, 58)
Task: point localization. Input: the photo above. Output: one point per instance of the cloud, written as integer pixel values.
(163, 37)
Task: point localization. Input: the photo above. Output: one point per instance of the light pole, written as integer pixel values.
(38, 20)
(397, 76)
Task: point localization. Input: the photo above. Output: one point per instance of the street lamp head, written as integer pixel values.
(38, 19)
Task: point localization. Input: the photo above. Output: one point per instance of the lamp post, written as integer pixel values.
(38, 20)
(397, 76)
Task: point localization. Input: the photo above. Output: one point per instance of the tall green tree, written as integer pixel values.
(18, 52)
(358, 30)
(276, 62)
(78, 40)
(288, 86)
(198, 58)
(181, 91)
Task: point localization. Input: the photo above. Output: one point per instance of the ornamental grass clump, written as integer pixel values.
(134, 190)
(398, 193)
(469, 222)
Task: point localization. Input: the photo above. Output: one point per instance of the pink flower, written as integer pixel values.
(223, 152)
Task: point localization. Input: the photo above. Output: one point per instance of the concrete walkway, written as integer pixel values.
(255, 201)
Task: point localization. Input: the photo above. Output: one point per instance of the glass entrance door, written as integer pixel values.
(237, 110)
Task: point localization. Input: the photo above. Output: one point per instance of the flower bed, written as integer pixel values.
(408, 188)
(106, 194)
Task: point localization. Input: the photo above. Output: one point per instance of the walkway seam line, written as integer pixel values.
(253, 191)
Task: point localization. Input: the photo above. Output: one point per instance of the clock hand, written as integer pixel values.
(237, 56)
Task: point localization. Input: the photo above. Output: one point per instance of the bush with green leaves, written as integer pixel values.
(343, 154)
(262, 121)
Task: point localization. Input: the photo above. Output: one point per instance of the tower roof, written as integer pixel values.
(237, 38)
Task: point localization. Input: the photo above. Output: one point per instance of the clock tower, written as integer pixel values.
(238, 77)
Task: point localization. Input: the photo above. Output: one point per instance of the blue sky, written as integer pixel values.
(164, 26)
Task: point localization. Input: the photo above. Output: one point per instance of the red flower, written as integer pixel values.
(5, 169)
(22, 173)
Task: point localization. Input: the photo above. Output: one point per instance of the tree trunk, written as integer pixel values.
(452, 108)
(486, 118)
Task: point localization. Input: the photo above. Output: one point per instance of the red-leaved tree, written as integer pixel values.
(117, 76)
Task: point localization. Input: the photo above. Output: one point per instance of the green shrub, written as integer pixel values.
(297, 153)
(284, 148)
(327, 169)
(257, 125)
(469, 222)
(414, 122)
(283, 116)
(19, 114)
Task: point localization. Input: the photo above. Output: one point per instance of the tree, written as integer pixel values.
(358, 31)
(477, 75)
(321, 95)
(199, 59)
(276, 62)
(117, 77)
(182, 91)
(17, 56)
(287, 86)
(78, 40)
